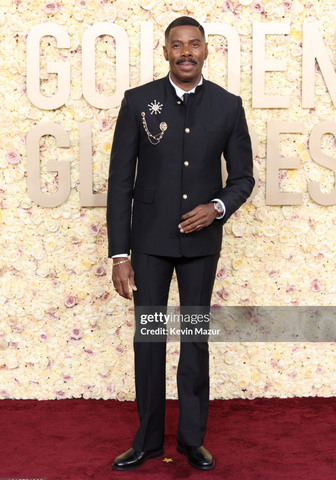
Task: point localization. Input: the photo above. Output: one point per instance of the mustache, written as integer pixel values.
(183, 60)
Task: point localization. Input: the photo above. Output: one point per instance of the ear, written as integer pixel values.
(206, 51)
(165, 52)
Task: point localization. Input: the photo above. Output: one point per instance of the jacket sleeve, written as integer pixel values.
(239, 164)
(122, 169)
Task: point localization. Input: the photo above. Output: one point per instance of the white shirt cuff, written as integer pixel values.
(220, 215)
(120, 255)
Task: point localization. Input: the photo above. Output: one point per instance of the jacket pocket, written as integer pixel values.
(145, 195)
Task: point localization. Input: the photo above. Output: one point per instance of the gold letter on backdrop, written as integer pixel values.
(275, 162)
(33, 165)
(146, 63)
(87, 198)
(260, 65)
(232, 37)
(88, 65)
(33, 67)
(322, 159)
(314, 49)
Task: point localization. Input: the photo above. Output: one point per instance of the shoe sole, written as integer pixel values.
(154, 455)
(200, 467)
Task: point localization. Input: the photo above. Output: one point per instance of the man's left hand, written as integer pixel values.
(198, 218)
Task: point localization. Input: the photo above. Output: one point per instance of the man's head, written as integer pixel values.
(186, 51)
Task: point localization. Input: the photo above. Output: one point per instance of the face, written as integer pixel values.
(185, 51)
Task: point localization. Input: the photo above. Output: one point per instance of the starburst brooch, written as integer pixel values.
(155, 107)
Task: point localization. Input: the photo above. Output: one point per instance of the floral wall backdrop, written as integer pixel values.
(64, 333)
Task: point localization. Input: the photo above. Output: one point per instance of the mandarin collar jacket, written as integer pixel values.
(166, 160)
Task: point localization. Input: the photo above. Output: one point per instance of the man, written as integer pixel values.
(175, 142)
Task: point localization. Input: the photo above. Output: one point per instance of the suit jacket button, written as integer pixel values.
(186, 163)
(187, 130)
(178, 102)
(185, 197)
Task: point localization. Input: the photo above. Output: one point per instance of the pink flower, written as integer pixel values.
(120, 349)
(104, 2)
(215, 307)
(106, 297)
(257, 7)
(88, 352)
(226, 293)
(76, 332)
(283, 174)
(103, 232)
(82, 3)
(315, 285)
(60, 395)
(290, 289)
(254, 320)
(110, 388)
(227, 6)
(44, 337)
(50, 8)
(94, 229)
(287, 4)
(104, 125)
(66, 377)
(222, 273)
(51, 315)
(100, 271)
(70, 300)
(13, 157)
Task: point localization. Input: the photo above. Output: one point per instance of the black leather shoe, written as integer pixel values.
(198, 457)
(134, 458)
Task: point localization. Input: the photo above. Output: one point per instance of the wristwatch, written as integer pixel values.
(218, 207)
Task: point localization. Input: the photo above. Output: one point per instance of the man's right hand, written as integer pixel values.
(123, 274)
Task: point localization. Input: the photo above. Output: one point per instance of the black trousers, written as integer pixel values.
(195, 277)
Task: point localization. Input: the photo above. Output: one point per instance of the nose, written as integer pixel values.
(185, 51)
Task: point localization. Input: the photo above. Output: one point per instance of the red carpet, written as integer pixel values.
(273, 439)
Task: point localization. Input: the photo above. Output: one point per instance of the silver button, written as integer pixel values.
(187, 130)
(178, 102)
(186, 163)
(185, 197)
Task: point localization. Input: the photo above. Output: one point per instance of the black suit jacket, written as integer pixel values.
(212, 123)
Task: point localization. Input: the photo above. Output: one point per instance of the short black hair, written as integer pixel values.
(180, 22)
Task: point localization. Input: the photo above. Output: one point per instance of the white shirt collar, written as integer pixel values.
(180, 92)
